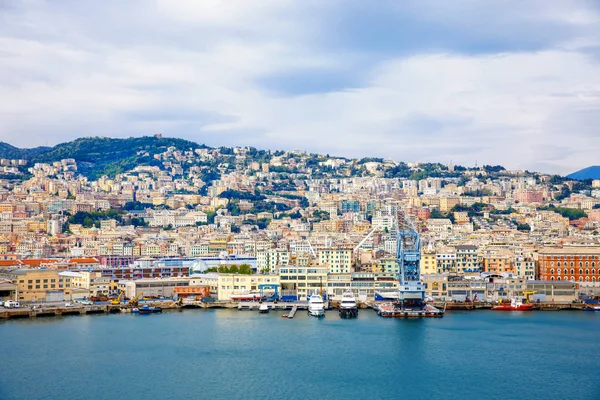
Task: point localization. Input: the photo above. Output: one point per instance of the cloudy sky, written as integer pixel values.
(510, 82)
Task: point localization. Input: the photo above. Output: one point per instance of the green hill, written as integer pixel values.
(13, 153)
(97, 156)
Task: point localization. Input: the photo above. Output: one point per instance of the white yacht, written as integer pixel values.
(263, 308)
(348, 307)
(316, 307)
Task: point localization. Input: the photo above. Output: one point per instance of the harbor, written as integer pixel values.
(382, 308)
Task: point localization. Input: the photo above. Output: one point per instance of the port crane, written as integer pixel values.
(411, 291)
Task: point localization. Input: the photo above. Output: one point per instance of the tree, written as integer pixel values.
(523, 227)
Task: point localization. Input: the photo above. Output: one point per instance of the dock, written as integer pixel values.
(293, 312)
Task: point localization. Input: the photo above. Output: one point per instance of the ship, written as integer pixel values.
(348, 307)
(515, 305)
(316, 307)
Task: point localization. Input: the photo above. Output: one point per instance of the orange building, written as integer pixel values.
(499, 262)
(578, 264)
(199, 292)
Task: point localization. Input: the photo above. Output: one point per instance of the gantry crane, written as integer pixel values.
(411, 290)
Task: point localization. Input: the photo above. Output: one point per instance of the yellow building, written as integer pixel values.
(447, 203)
(35, 285)
(428, 262)
(239, 284)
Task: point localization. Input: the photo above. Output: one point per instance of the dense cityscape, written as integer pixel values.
(189, 221)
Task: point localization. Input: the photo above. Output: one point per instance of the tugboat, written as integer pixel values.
(348, 307)
(263, 308)
(515, 305)
(316, 307)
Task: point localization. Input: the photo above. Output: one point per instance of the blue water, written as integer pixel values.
(230, 354)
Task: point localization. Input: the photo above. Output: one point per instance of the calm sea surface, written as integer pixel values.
(230, 354)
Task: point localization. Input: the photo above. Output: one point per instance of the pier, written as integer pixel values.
(293, 312)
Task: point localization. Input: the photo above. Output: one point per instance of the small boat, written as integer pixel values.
(515, 305)
(316, 307)
(284, 316)
(590, 308)
(146, 309)
(348, 307)
(263, 308)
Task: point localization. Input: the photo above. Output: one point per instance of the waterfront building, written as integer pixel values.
(436, 285)
(553, 291)
(35, 285)
(239, 284)
(303, 280)
(154, 287)
(576, 264)
(8, 290)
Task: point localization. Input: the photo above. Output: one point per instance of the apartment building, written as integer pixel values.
(577, 264)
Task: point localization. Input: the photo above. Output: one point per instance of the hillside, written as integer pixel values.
(97, 156)
(592, 172)
(11, 152)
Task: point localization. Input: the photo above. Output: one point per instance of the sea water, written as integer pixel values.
(231, 354)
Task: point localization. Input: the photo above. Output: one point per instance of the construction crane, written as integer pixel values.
(527, 294)
(117, 301)
(134, 301)
(411, 290)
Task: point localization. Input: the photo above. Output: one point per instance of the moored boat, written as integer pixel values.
(316, 307)
(348, 307)
(146, 309)
(592, 308)
(263, 308)
(515, 305)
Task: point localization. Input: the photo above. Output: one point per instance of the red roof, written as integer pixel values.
(39, 261)
(88, 260)
(10, 263)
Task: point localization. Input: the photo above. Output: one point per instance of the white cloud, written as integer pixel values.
(202, 80)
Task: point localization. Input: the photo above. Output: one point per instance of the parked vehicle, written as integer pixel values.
(11, 304)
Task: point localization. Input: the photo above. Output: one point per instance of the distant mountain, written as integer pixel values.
(97, 156)
(586, 173)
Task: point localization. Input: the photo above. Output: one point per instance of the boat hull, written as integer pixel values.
(522, 307)
(348, 312)
(316, 313)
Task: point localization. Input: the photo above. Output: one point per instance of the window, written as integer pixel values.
(572, 271)
(580, 271)
(37, 286)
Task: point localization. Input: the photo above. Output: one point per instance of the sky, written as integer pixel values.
(510, 82)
